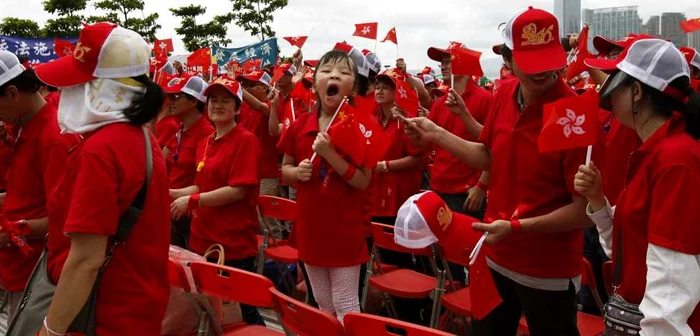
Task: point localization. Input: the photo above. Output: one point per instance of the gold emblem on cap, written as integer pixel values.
(80, 51)
(444, 217)
(533, 37)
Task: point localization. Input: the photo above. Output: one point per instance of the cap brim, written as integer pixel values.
(610, 85)
(461, 233)
(604, 45)
(437, 54)
(497, 49)
(605, 65)
(172, 89)
(539, 61)
(382, 77)
(62, 72)
(212, 87)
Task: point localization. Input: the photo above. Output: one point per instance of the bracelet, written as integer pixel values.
(349, 173)
(193, 202)
(49, 331)
(386, 166)
(515, 225)
(482, 186)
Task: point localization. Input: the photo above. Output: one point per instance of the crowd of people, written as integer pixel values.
(94, 136)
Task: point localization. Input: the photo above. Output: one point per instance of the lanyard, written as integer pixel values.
(200, 165)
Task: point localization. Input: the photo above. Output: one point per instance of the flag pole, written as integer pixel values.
(589, 153)
(345, 99)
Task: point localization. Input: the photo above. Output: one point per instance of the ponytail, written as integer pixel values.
(147, 107)
(691, 112)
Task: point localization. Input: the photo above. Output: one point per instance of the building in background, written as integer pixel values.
(694, 40)
(671, 28)
(614, 22)
(653, 26)
(568, 13)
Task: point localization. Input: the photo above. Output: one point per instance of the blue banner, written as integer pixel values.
(265, 51)
(39, 50)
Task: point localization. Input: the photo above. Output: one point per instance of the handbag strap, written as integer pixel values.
(617, 263)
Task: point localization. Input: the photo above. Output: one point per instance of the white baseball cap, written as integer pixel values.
(10, 67)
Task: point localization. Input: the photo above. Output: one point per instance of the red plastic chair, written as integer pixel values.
(304, 320)
(279, 209)
(608, 276)
(588, 325)
(404, 283)
(236, 285)
(178, 279)
(359, 324)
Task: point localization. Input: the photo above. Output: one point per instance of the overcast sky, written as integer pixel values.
(419, 23)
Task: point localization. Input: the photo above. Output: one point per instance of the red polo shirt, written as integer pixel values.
(658, 206)
(166, 129)
(620, 142)
(184, 146)
(257, 123)
(37, 163)
(449, 174)
(526, 183)
(231, 160)
(103, 176)
(329, 227)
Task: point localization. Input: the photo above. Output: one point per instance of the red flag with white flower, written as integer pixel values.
(163, 47)
(357, 133)
(367, 30)
(296, 41)
(570, 123)
(576, 66)
(406, 98)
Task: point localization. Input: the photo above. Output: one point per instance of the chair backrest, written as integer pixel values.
(383, 236)
(608, 275)
(304, 320)
(587, 276)
(232, 284)
(177, 276)
(277, 208)
(360, 324)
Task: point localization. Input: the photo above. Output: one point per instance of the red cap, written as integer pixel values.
(605, 45)
(259, 76)
(227, 83)
(533, 36)
(309, 75)
(311, 63)
(194, 86)
(392, 74)
(610, 65)
(691, 55)
(288, 68)
(441, 90)
(437, 54)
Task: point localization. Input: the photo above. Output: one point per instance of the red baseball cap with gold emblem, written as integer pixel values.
(533, 36)
(227, 83)
(257, 76)
(394, 75)
(104, 50)
(437, 54)
(691, 55)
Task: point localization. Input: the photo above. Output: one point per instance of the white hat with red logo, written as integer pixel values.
(104, 50)
(257, 76)
(10, 67)
(533, 36)
(194, 86)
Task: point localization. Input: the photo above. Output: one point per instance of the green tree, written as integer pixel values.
(19, 27)
(255, 16)
(195, 35)
(120, 11)
(69, 21)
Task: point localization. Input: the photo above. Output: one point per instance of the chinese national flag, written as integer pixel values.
(576, 67)
(251, 65)
(296, 41)
(691, 25)
(163, 47)
(391, 36)
(570, 123)
(201, 57)
(406, 98)
(300, 92)
(366, 30)
(465, 62)
(62, 47)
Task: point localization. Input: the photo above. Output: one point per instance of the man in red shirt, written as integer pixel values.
(535, 215)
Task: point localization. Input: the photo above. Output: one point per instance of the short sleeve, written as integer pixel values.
(287, 142)
(674, 220)
(486, 136)
(245, 165)
(94, 207)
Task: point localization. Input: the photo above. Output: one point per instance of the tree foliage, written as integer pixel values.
(121, 12)
(69, 21)
(255, 16)
(196, 36)
(64, 7)
(19, 27)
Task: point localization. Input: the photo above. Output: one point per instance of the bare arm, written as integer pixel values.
(274, 127)
(473, 127)
(177, 193)
(404, 163)
(255, 104)
(473, 154)
(39, 227)
(567, 218)
(289, 170)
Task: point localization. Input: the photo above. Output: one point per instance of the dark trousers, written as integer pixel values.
(595, 255)
(180, 232)
(251, 315)
(547, 312)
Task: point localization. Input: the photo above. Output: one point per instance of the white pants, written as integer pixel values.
(335, 288)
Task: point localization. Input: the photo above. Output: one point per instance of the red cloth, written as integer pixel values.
(620, 142)
(296, 41)
(663, 179)
(103, 176)
(366, 30)
(201, 57)
(577, 66)
(285, 114)
(329, 227)
(62, 47)
(163, 47)
(570, 122)
(166, 129)
(185, 144)
(526, 183)
(230, 161)
(406, 98)
(465, 62)
(35, 168)
(356, 133)
(257, 123)
(449, 174)
(391, 36)
(53, 98)
(690, 25)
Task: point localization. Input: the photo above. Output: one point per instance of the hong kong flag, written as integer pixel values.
(691, 25)
(576, 67)
(366, 30)
(406, 98)
(570, 123)
(163, 47)
(358, 134)
(297, 41)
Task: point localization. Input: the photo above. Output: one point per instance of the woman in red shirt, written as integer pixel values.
(223, 201)
(652, 233)
(102, 179)
(330, 193)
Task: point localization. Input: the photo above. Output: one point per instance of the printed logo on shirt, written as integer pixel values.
(531, 36)
(444, 217)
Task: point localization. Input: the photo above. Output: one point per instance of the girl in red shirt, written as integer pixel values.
(223, 201)
(330, 193)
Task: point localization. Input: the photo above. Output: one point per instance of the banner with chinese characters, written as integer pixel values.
(39, 50)
(266, 51)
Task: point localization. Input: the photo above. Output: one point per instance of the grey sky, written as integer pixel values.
(419, 23)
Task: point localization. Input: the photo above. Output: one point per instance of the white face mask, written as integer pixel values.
(87, 107)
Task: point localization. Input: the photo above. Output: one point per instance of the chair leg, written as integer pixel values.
(437, 297)
(284, 280)
(261, 252)
(365, 289)
(393, 313)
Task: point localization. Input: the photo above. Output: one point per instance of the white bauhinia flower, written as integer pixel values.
(572, 123)
(365, 30)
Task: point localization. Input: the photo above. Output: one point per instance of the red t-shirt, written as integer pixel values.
(166, 129)
(38, 162)
(391, 189)
(231, 160)
(449, 174)
(103, 176)
(657, 206)
(53, 98)
(620, 142)
(526, 183)
(257, 123)
(183, 146)
(329, 227)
